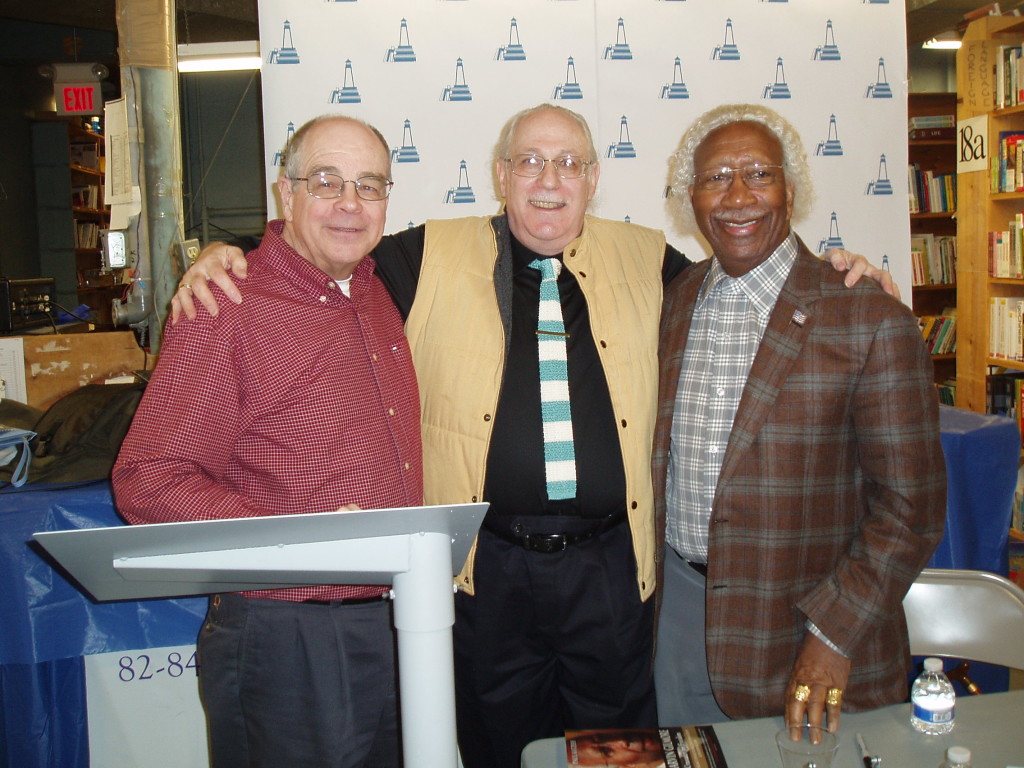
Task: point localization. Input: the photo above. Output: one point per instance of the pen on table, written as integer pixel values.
(870, 761)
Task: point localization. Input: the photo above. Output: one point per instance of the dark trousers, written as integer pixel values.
(299, 685)
(550, 642)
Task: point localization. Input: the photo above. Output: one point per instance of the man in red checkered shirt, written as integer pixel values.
(301, 400)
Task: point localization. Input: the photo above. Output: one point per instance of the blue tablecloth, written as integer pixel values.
(49, 626)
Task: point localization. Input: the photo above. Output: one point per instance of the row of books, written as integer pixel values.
(1006, 249)
(931, 192)
(939, 332)
(1008, 76)
(932, 259)
(87, 234)
(1003, 395)
(1005, 330)
(946, 391)
(933, 127)
(86, 196)
(1007, 163)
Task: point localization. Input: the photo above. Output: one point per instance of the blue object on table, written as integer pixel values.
(982, 452)
(49, 625)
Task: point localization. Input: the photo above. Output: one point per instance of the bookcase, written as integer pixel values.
(932, 167)
(71, 213)
(981, 70)
(983, 211)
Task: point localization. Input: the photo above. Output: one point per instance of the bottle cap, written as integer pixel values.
(931, 664)
(958, 755)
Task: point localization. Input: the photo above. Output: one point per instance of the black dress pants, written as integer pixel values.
(550, 642)
(298, 685)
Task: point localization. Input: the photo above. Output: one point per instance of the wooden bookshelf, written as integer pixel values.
(939, 157)
(982, 211)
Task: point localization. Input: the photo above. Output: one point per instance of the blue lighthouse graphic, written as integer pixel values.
(881, 185)
(514, 50)
(462, 193)
(623, 148)
(348, 93)
(407, 152)
(570, 89)
(879, 89)
(403, 51)
(459, 91)
(727, 51)
(677, 89)
(833, 240)
(779, 89)
(830, 147)
(620, 51)
(279, 157)
(829, 51)
(286, 54)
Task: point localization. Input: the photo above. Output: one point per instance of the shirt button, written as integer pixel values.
(331, 286)
(323, 298)
(721, 391)
(713, 449)
(391, 411)
(407, 465)
(374, 356)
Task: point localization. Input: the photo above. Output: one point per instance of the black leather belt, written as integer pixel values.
(527, 532)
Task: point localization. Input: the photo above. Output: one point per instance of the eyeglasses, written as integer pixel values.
(566, 166)
(326, 186)
(755, 176)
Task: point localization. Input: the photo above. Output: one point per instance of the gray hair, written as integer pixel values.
(794, 157)
(508, 132)
(296, 144)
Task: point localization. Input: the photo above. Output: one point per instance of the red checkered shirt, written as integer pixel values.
(298, 400)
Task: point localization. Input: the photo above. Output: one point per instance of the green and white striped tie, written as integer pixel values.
(559, 453)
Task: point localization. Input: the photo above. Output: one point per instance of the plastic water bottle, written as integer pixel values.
(934, 700)
(957, 757)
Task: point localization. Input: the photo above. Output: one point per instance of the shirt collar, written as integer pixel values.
(762, 284)
(297, 270)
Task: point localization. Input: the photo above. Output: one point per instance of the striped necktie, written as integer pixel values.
(559, 454)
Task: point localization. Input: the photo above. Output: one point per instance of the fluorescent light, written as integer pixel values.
(219, 57)
(947, 41)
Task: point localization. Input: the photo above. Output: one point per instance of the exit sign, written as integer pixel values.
(78, 98)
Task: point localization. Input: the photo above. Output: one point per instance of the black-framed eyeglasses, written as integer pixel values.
(326, 186)
(755, 176)
(566, 166)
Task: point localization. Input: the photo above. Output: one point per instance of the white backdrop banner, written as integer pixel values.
(440, 77)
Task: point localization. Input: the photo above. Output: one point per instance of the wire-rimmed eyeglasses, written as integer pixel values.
(326, 186)
(754, 176)
(566, 166)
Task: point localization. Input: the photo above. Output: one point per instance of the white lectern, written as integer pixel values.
(416, 550)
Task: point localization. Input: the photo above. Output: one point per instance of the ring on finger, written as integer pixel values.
(834, 696)
(802, 693)
(186, 286)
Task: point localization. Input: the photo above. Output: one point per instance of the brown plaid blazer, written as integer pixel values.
(832, 493)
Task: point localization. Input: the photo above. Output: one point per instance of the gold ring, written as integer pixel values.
(186, 286)
(802, 693)
(834, 696)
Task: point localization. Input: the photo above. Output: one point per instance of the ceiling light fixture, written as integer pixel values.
(947, 41)
(219, 57)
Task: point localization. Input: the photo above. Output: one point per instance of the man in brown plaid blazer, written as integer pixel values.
(799, 476)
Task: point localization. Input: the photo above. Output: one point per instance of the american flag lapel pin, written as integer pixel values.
(799, 318)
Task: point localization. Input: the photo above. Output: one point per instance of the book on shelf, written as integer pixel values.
(932, 134)
(932, 259)
(931, 121)
(1006, 249)
(1007, 171)
(1006, 331)
(946, 391)
(692, 745)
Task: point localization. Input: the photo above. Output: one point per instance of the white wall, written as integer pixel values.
(869, 61)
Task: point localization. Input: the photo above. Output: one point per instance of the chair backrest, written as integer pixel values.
(967, 615)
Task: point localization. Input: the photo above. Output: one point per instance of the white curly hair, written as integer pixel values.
(794, 157)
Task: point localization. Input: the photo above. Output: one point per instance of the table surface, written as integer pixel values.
(991, 726)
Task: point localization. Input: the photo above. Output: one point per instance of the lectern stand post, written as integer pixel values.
(424, 615)
(416, 550)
